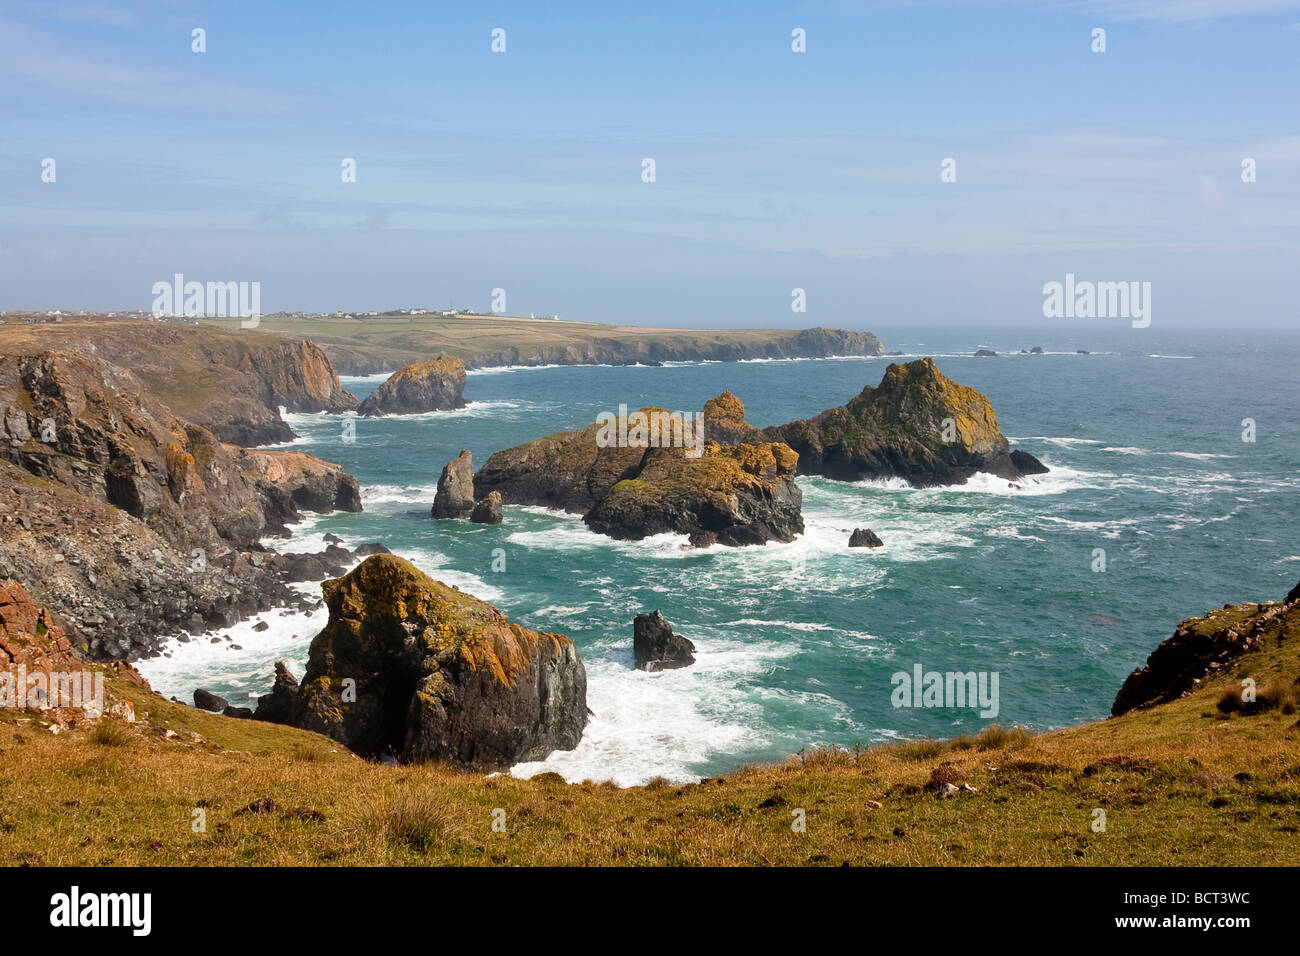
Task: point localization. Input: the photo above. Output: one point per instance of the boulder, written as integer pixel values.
(204, 700)
(985, 353)
(437, 675)
(488, 510)
(703, 539)
(1036, 350)
(436, 385)
(655, 646)
(455, 495)
(864, 538)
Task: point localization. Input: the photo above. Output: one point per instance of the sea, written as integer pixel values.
(1174, 488)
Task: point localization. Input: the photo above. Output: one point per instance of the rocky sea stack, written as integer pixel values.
(433, 386)
(439, 675)
(655, 647)
(917, 425)
(455, 495)
(734, 495)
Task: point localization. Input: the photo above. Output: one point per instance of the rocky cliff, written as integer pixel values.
(410, 667)
(436, 385)
(486, 342)
(1202, 647)
(130, 521)
(232, 383)
(917, 425)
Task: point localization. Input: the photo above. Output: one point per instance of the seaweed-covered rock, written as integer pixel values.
(436, 385)
(412, 667)
(455, 495)
(655, 647)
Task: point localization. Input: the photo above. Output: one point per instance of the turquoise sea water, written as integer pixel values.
(797, 643)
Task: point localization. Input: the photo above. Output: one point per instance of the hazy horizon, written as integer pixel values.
(775, 170)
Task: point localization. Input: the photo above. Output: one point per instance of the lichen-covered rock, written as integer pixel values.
(488, 511)
(436, 385)
(455, 495)
(917, 425)
(742, 494)
(655, 647)
(438, 675)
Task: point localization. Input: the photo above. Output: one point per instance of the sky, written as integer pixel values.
(774, 170)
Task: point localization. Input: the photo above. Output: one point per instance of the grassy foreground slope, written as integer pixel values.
(1182, 783)
(371, 344)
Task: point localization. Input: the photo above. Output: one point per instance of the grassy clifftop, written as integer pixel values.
(371, 344)
(1193, 781)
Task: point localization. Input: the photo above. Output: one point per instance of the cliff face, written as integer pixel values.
(917, 425)
(432, 386)
(129, 521)
(1202, 647)
(743, 495)
(232, 383)
(565, 343)
(439, 675)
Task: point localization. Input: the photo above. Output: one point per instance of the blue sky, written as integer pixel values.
(775, 170)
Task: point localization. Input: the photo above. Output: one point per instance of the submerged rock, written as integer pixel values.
(488, 511)
(409, 666)
(656, 647)
(455, 495)
(864, 538)
(436, 385)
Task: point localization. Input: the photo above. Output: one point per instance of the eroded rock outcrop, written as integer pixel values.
(130, 521)
(742, 494)
(41, 670)
(433, 386)
(1203, 646)
(917, 425)
(439, 675)
(488, 510)
(455, 495)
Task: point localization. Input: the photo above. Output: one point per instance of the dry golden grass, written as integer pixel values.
(1180, 784)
